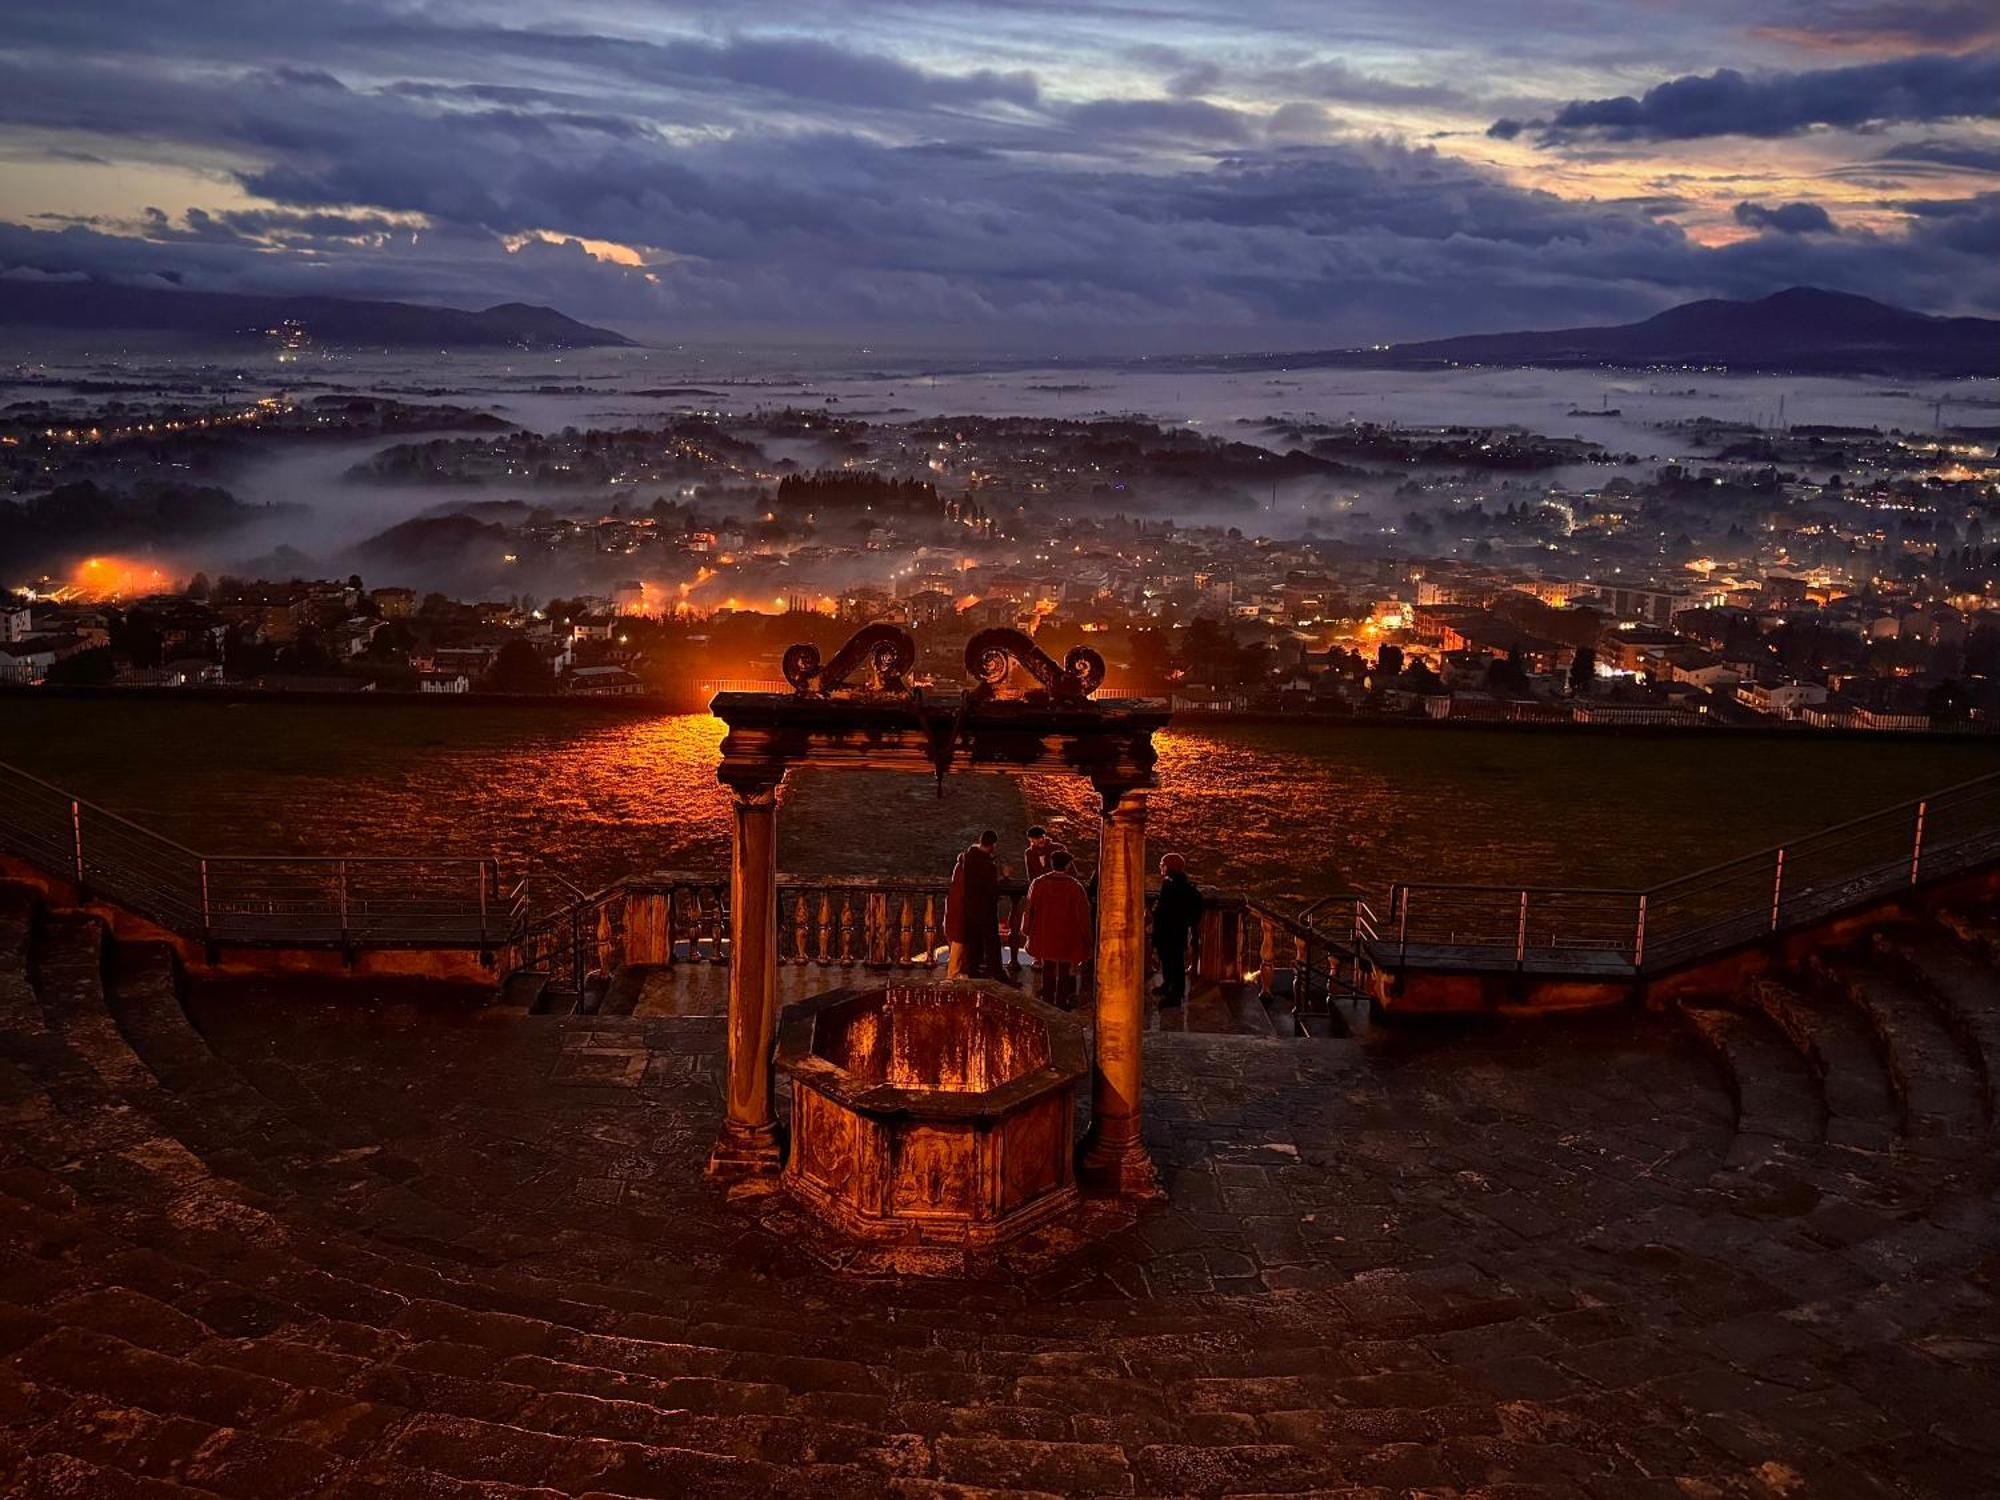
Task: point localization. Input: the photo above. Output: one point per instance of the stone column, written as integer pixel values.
(749, 1146)
(1114, 1157)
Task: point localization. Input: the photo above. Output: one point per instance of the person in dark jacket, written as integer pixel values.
(1176, 910)
(972, 911)
(1040, 853)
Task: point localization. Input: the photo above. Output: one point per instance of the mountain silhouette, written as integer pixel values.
(1802, 330)
(231, 317)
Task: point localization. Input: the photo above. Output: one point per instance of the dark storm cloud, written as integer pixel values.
(878, 172)
(1360, 240)
(1882, 25)
(1786, 218)
(1727, 102)
(1965, 156)
(1193, 120)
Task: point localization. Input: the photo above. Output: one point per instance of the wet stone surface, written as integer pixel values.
(330, 1241)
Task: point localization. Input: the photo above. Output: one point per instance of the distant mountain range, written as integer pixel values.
(229, 317)
(1802, 331)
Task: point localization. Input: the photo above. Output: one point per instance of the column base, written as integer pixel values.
(1119, 1169)
(744, 1153)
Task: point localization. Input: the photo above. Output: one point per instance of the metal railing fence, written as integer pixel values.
(280, 900)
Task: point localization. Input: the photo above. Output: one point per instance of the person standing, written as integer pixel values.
(972, 911)
(1176, 910)
(1057, 928)
(1040, 852)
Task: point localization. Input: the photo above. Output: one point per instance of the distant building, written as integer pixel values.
(1781, 700)
(1844, 713)
(1651, 606)
(601, 682)
(25, 662)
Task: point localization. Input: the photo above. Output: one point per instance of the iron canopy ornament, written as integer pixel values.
(887, 651)
(991, 655)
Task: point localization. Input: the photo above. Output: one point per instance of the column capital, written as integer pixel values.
(754, 792)
(1122, 800)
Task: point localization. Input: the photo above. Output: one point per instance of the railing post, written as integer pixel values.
(1639, 934)
(1521, 934)
(340, 869)
(207, 915)
(1777, 889)
(1917, 843)
(76, 839)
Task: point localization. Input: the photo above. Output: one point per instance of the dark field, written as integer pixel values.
(1280, 810)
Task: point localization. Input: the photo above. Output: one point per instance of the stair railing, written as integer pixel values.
(1641, 931)
(348, 902)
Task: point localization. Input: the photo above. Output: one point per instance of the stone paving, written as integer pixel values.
(343, 1240)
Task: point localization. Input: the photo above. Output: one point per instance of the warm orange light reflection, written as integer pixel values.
(102, 578)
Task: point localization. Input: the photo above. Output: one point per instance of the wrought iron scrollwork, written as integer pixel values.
(992, 654)
(886, 650)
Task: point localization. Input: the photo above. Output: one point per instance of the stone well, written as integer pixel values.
(932, 1113)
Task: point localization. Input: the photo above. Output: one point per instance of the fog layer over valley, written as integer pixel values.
(465, 526)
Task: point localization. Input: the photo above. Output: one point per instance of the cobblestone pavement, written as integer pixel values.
(340, 1241)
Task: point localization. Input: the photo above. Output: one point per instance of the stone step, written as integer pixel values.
(1861, 1109)
(1977, 927)
(65, 1476)
(209, 1104)
(521, 991)
(1934, 1080)
(1965, 989)
(1776, 1092)
(296, 1423)
(234, 1380)
(621, 995)
(125, 1347)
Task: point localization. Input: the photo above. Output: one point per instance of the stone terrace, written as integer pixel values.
(347, 1240)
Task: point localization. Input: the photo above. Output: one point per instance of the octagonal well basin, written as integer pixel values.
(932, 1113)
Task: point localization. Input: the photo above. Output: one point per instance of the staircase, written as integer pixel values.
(225, 1275)
(1888, 1045)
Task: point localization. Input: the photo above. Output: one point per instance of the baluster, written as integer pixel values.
(906, 930)
(826, 934)
(1301, 972)
(930, 931)
(607, 937)
(667, 928)
(846, 927)
(799, 929)
(878, 929)
(1267, 954)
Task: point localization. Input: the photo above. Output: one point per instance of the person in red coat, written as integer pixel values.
(972, 911)
(1058, 928)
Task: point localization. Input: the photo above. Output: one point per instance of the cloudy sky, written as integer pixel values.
(1109, 173)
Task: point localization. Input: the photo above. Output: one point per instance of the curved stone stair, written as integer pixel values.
(204, 1289)
(1964, 987)
(1860, 1103)
(1977, 928)
(102, 1145)
(1775, 1091)
(1934, 1081)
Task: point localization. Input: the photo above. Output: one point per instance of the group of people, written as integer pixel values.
(1057, 924)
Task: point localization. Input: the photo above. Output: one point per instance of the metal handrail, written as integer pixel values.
(282, 900)
(1686, 916)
